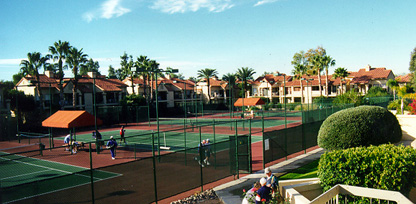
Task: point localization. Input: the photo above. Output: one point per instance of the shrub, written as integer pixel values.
(359, 126)
(387, 167)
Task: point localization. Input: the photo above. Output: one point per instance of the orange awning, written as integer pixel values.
(70, 119)
(249, 102)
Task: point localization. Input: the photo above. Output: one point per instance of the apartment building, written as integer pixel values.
(107, 91)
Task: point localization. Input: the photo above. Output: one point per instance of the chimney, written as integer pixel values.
(92, 74)
(49, 74)
(368, 68)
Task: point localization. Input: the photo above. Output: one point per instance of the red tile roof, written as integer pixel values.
(44, 81)
(404, 79)
(363, 76)
(104, 84)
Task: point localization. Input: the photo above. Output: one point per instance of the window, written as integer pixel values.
(177, 95)
(297, 89)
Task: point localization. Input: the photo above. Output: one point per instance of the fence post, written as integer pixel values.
(184, 136)
(249, 147)
(154, 165)
(262, 135)
(236, 151)
(215, 148)
(91, 175)
(201, 152)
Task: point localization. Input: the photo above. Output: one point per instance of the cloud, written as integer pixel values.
(259, 3)
(10, 61)
(183, 6)
(109, 9)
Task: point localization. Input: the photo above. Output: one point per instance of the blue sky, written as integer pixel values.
(220, 34)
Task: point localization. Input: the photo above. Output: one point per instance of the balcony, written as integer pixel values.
(308, 191)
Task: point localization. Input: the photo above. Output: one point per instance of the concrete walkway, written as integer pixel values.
(231, 193)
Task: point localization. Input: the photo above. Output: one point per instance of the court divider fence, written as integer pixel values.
(151, 173)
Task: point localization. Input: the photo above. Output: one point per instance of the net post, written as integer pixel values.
(18, 136)
(41, 148)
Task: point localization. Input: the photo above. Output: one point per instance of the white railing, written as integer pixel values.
(331, 196)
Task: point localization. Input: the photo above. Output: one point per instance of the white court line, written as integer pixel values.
(27, 197)
(23, 174)
(52, 169)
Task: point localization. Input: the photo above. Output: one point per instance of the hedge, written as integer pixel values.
(387, 167)
(359, 126)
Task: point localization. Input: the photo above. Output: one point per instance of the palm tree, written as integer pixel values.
(394, 86)
(245, 74)
(75, 59)
(326, 62)
(341, 73)
(59, 51)
(207, 73)
(315, 63)
(126, 71)
(153, 67)
(300, 68)
(144, 63)
(316, 68)
(31, 66)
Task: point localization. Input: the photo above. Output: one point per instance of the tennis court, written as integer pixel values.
(175, 140)
(22, 177)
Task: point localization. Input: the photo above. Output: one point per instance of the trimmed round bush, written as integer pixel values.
(387, 167)
(359, 126)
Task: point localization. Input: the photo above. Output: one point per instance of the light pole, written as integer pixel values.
(284, 94)
(155, 71)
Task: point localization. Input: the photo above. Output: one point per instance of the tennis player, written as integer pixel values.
(112, 144)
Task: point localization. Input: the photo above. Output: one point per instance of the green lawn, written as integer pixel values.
(307, 171)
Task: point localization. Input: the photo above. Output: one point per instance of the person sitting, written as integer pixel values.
(251, 194)
(75, 146)
(272, 181)
(264, 193)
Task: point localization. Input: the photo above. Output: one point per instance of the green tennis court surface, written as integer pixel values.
(224, 122)
(23, 177)
(175, 140)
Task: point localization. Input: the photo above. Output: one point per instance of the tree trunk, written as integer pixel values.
(209, 92)
(132, 84)
(326, 83)
(74, 95)
(319, 79)
(301, 89)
